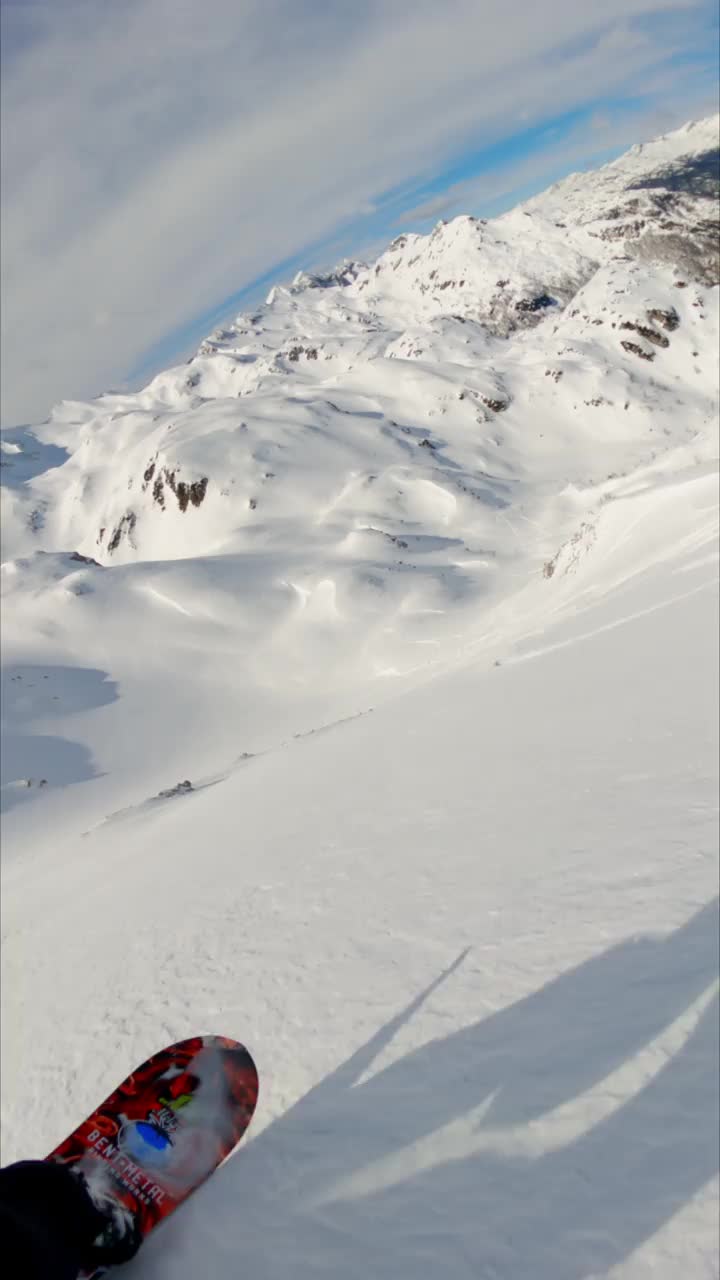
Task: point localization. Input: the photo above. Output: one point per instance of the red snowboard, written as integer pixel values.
(165, 1129)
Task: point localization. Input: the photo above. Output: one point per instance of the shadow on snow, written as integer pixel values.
(33, 761)
(561, 1214)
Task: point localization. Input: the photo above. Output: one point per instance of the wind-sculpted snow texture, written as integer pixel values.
(359, 702)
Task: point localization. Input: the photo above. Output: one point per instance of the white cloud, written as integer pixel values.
(160, 154)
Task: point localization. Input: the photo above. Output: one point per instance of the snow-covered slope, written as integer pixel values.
(411, 575)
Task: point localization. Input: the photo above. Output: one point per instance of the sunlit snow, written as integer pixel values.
(411, 575)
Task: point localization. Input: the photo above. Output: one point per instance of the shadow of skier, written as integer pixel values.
(485, 1205)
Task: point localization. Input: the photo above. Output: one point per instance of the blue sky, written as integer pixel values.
(164, 163)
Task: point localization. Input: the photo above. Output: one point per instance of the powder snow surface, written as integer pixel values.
(412, 576)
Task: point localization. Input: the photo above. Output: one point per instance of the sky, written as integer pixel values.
(164, 162)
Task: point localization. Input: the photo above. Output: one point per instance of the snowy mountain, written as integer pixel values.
(409, 579)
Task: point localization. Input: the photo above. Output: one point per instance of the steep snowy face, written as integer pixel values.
(345, 484)
(657, 203)
(503, 274)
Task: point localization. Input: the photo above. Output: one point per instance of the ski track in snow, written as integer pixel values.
(471, 939)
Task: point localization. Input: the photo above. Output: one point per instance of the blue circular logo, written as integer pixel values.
(145, 1143)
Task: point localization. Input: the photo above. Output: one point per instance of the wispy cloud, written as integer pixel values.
(159, 155)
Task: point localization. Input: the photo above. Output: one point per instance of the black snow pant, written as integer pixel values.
(47, 1222)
